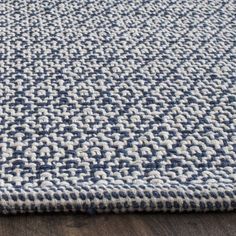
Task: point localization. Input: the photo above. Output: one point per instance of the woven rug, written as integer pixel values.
(117, 105)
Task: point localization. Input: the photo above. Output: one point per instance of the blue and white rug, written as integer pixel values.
(110, 105)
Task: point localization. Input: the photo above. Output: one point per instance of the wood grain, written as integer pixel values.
(140, 224)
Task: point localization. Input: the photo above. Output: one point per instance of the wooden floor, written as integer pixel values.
(141, 224)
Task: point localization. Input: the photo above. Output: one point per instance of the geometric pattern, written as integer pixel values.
(110, 105)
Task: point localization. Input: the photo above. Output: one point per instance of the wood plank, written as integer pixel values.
(137, 224)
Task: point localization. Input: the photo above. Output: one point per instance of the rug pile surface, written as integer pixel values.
(117, 105)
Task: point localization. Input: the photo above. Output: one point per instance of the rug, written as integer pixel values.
(118, 106)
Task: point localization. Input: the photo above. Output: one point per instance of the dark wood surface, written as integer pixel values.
(140, 224)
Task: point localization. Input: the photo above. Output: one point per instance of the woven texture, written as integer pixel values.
(117, 105)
